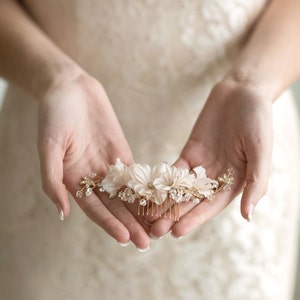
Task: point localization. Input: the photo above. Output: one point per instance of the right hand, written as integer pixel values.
(79, 133)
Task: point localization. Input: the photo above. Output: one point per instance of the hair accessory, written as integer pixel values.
(158, 190)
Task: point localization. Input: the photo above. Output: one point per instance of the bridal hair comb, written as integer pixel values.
(161, 188)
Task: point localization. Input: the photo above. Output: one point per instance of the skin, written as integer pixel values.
(233, 130)
(235, 127)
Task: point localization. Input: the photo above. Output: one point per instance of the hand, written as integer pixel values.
(79, 133)
(234, 130)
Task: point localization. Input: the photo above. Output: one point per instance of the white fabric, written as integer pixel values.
(158, 60)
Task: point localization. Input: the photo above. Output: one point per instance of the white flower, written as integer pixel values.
(116, 177)
(204, 184)
(143, 178)
(200, 172)
(174, 177)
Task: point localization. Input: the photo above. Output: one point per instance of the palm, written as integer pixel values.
(232, 131)
(78, 134)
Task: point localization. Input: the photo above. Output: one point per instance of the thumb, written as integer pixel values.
(182, 163)
(256, 182)
(51, 158)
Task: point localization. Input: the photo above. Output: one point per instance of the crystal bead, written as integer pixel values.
(227, 187)
(93, 175)
(196, 200)
(128, 192)
(215, 185)
(143, 202)
(230, 171)
(122, 196)
(131, 199)
(187, 197)
(173, 194)
(79, 194)
(210, 197)
(88, 192)
(100, 187)
(178, 198)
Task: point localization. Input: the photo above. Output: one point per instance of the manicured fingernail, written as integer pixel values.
(155, 238)
(124, 244)
(250, 213)
(60, 212)
(143, 250)
(176, 237)
(147, 223)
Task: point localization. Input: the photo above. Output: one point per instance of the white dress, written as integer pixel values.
(158, 60)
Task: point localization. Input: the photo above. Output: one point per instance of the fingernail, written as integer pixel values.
(155, 238)
(250, 213)
(147, 223)
(60, 212)
(143, 250)
(124, 244)
(176, 237)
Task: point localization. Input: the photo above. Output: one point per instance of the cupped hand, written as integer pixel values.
(79, 134)
(234, 130)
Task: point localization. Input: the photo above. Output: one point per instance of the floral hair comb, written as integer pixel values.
(157, 189)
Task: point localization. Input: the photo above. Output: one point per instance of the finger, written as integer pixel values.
(98, 213)
(182, 163)
(164, 224)
(109, 214)
(133, 209)
(134, 224)
(52, 178)
(201, 214)
(257, 175)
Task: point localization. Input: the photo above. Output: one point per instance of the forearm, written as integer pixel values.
(270, 60)
(27, 56)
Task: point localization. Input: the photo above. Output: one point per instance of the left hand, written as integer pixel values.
(234, 130)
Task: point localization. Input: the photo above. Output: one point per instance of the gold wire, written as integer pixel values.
(154, 209)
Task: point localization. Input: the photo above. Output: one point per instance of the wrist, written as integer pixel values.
(54, 76)
(250, 84)
(230, 89)
(251, 80)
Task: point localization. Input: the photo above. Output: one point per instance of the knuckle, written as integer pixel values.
(132, 226)
(107, 222)
(47, 188)
(89, 206)
(264, 189)
(259, 187)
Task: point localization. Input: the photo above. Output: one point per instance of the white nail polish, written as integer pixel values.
(155, 238)
(176, 237)
(143, 250)
(148, 223)
(250, 213)
(61, 214)
(124, 244)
